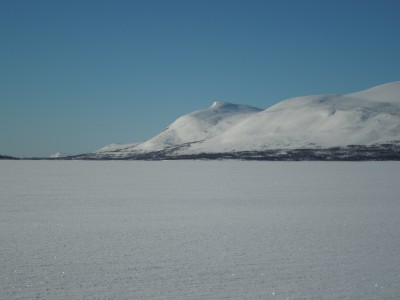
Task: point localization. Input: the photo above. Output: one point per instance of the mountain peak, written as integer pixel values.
(221, 104)
(231, 107)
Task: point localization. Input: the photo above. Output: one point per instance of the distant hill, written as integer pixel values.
(366, 121)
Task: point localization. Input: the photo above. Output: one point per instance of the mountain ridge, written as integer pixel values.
(367, 118)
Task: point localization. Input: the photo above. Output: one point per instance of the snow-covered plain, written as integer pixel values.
(199, 230)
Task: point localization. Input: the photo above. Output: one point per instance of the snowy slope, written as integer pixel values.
(194, 127)
(363, 118)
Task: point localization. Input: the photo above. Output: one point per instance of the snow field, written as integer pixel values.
(199, 230)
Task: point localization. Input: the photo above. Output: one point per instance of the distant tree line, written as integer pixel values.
(7, 157)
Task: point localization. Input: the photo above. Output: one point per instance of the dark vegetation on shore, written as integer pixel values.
(380, 152)
(8, 157)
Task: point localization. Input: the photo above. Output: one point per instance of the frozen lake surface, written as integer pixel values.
(199, 230)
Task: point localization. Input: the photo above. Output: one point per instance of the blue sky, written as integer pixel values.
(77, 75)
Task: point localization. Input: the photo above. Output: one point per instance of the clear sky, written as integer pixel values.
(77, 75)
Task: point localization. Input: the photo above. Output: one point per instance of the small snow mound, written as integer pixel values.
(56, 155)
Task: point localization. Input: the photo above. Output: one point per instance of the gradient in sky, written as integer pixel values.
(77, 75)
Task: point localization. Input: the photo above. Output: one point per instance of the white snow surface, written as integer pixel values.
(363, 118)
(199, 230)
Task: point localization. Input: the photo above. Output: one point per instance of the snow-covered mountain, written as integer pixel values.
(195, 127)
(366, 118)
